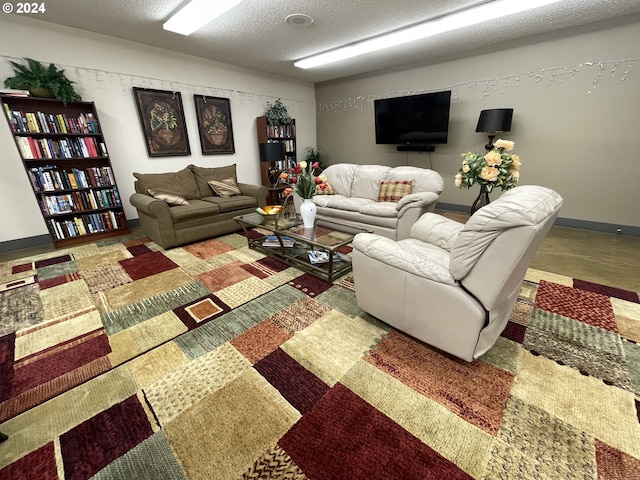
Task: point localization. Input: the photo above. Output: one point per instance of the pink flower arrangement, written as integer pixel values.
(302, 179)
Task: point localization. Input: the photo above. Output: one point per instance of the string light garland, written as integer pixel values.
(486, 87)
(495, 85)
(126, 81)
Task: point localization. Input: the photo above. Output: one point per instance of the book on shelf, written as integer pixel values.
(34, 148)
(7, 111)
(83, 224)
(272, 241)
(42, 121)
(39, 122)
(81, 177)
(32, 123)
(24, 147)
(60, 120)
(322, 256)
(92, 199)
(14, 92)
(73, 181)
(53, 125)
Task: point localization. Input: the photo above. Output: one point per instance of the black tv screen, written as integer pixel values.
(413, 120)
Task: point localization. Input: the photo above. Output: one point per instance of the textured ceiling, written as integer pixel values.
(254, 34)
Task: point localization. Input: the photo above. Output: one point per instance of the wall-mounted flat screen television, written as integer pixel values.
(413, 120)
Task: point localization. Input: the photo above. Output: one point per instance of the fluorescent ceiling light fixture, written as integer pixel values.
(196, 14)
(485, 12)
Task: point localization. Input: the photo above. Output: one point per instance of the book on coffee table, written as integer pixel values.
(272, 241)
(322, 256)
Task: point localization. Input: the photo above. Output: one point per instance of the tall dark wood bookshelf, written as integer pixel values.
(285, 134)
(65, 157)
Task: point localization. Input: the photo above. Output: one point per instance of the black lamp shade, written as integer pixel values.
(271, 152)
(495, 120)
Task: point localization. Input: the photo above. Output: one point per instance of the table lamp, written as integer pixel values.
(272, 153)
(494, 121)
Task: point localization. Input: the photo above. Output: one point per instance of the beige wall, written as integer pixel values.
(105, 69)
(582, 141)
(576, 132)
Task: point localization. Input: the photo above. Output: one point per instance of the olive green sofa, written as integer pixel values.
(187, 209)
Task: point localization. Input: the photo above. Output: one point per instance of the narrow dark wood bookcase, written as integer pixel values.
(285, 134)
(65, 157)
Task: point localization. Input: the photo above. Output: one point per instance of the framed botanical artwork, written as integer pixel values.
(162, 119)
(214, 123)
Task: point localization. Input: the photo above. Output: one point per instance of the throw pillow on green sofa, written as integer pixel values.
(180, 183)
(205, 174)
(170, 198)
(225, 188)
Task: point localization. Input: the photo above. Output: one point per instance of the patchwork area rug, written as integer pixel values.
(120, 360)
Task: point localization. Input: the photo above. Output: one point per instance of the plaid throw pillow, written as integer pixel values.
(170, 198)
(393, 191)
(225, 188)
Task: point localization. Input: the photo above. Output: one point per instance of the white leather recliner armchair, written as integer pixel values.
(454, 285)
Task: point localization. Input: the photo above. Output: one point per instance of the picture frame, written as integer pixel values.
(162, 120)
(214, 124)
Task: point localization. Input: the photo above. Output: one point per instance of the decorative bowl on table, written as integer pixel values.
(270, 211)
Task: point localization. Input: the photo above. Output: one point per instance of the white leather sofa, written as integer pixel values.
(356, 197)
(454, 285)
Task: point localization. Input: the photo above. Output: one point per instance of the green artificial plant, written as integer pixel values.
(315, 155)
(277, 113)
(37, 78)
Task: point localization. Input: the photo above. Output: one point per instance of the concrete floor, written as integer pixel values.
(603, 258)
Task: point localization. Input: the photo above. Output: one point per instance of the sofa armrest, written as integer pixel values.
(152, 207)
(259, 192)
(416, 200)
(436, 230)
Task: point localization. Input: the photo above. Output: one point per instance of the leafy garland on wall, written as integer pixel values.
(498, 85)
(485, 87)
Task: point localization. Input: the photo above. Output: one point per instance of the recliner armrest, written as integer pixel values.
(437, 230)
(410, 255)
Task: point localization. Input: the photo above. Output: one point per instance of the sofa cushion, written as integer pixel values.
(204, 174)
(366, 181)
(195, 209)
(170, 198)
(229, 204)
(340, 177)
(180, 183)
(394, 190)
(379, 209)
(358, 219)
(325, 200)
(340, 202)
(225, 188)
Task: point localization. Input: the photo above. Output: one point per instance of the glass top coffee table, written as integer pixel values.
(313, 250)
